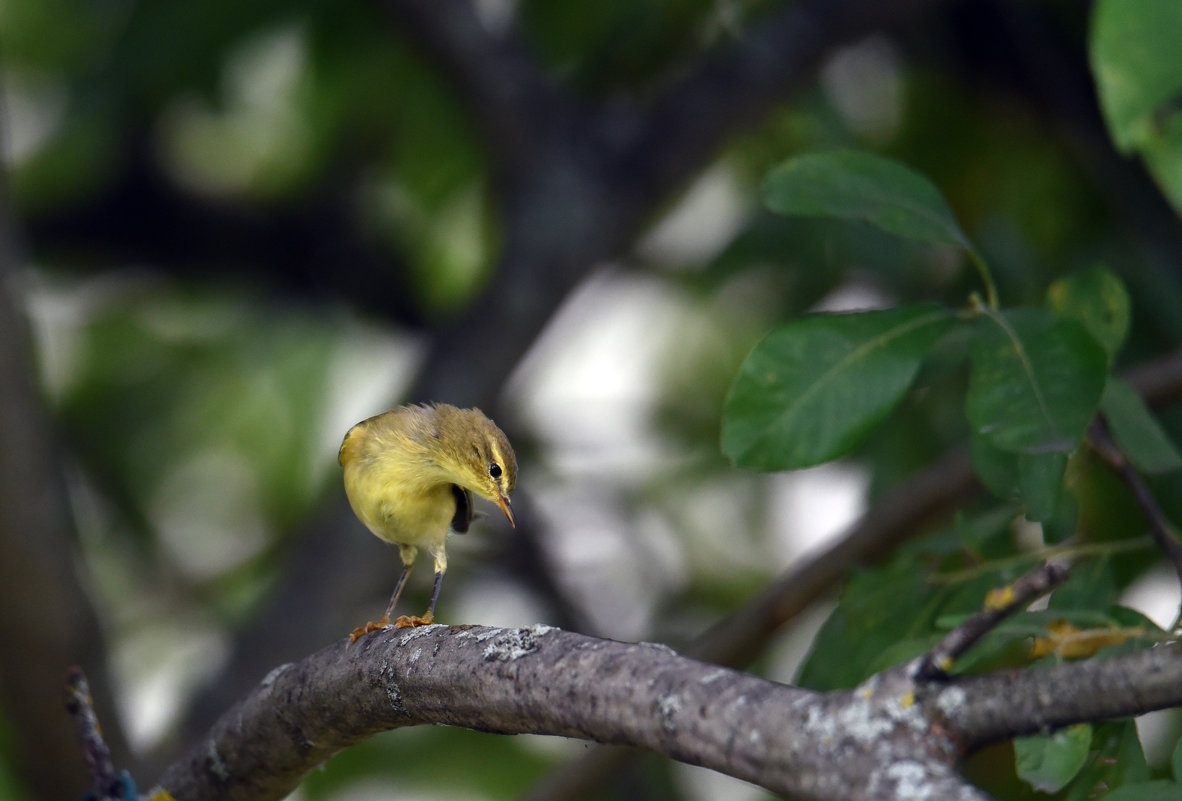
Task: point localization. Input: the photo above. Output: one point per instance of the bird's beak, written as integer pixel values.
(506, 507)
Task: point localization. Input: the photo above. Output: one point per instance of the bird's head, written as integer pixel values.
(479, 455)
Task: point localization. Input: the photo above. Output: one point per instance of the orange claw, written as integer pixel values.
(410, 621)
(361, 631)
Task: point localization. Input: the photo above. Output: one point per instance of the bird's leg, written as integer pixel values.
(394, 597)
(361, 631)
(408, 621)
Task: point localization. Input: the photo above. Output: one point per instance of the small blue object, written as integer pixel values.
(128, 784)
(123, 789)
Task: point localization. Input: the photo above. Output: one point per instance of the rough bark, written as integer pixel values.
(894, 737)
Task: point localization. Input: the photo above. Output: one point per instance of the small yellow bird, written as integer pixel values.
(410, 474)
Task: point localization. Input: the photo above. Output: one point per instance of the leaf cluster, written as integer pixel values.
(1038, 379)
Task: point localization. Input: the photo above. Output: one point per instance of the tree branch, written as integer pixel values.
(999, 604)
(928, 495)
(1163, 534)
(509, 101)
(891, 738)
(997, 706)
(534, 680)
(46, 620)
(580, 182)
(106, 783)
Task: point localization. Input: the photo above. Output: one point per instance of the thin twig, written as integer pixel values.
(1070, 552)
(999, 604)
(1159, 525)
(107, 783)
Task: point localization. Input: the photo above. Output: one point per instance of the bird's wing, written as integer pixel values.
(463, 515)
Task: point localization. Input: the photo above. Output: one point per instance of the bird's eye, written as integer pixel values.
(494, 470)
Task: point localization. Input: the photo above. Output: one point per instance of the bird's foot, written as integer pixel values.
(361, 631)
(410, 621)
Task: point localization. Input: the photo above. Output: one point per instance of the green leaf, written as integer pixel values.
(1036, 480)
(1117, 760)
(1064, 523)
(1130, 757)
(1138, 67)
(899, 651)
(1035, 381)
(1163, 157)
(1136, 430)
(878, 608)
(1040, 479)
(1099, 300)
(981, 536)
(1091, 587)
(1138, 64)
(812, 388)
(1129, 618)
(862, 186)
(1159, 790)
(1176, 762)
(997, 469)
(1048, 763)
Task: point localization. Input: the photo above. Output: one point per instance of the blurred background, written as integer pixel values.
(231, 230)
